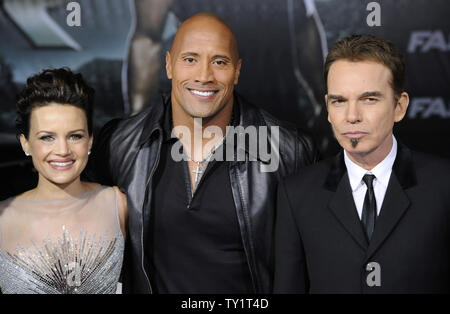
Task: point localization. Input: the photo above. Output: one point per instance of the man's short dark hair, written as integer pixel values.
(60, 86)
(369, 48)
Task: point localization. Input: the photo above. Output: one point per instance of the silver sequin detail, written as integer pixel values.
(89, 265)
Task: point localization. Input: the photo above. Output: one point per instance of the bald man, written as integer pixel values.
(288, 25)
(201, 201)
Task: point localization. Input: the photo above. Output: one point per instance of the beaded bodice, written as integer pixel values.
(65, 246)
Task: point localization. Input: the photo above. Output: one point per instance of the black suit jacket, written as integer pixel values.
(321, 246)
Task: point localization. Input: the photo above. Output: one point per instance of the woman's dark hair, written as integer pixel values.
(60, 86)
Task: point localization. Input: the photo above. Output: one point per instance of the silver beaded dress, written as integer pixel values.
(66, 246)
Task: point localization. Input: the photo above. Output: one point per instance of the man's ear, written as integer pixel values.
(24, 143)
(401, 106)
(237, 72)
(168, 66)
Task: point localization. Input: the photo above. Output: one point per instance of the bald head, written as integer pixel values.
(203, 23)
(204, 66)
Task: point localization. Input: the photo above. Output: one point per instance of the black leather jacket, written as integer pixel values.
(126, 154)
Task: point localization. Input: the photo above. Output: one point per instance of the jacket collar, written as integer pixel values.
(245, 115)
(250, 116)
(403, 169)
(154, 119)
(395, 204)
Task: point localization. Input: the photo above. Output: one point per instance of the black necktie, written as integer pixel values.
(369, 212)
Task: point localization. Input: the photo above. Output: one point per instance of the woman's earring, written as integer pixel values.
(89, 152)
(27, 154)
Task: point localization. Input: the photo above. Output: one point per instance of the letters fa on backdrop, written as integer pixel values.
(74, 17)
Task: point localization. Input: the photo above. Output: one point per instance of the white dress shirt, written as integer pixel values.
(382, 173)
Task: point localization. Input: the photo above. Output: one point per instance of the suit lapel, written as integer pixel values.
(343, 207)
(394, 207)
(396, 202)
(342, 204)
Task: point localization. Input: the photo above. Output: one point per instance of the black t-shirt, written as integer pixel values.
(195, 244)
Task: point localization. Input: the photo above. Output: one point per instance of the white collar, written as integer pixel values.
(382, 171)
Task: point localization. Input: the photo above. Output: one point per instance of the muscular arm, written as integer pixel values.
(306, 30)
(309, 50)
(143, 65)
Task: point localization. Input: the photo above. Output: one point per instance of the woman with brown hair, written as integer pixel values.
(65, 235)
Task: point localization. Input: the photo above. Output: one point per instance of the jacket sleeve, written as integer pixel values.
(290, 264)
(98, 168)
(306, 152)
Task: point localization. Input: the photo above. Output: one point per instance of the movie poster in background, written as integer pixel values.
(119, 48)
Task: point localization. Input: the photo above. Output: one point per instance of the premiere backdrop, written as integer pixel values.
(282, 43)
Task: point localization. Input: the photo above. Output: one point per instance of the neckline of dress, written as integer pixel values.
(76, 197)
